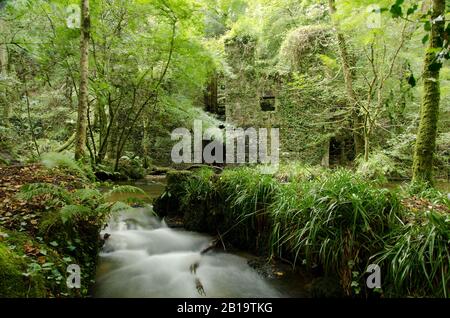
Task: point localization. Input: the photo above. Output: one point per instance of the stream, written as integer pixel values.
(144, 258)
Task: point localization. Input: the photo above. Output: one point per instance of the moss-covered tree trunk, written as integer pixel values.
(347, 68)
(429, 112)
(80, 143)
(4, 73)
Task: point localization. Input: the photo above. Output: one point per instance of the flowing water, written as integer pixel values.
(143, 257)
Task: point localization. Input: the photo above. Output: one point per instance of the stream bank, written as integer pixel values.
(332, 224)
(159, 258)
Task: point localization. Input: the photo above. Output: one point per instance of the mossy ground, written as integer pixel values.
(13, 280)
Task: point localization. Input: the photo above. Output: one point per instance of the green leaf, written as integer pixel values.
(45, 265)
(69, 211)
(396, 11)
(54, 243)
(425, 39)
(412, 9)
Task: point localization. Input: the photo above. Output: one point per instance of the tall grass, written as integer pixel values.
(416, 256)
(336, 222)
(246, 191)
(247, 194)
(199, 187)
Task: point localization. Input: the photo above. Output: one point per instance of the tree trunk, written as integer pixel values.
(366, 147)
(112, 140)
(349, 78)
(211, 95)
(326, 154)
(4, 73)
(80, 145)
(429, 112)
(145, 142)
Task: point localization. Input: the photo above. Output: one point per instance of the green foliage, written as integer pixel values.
(13, 284)
(62, 161)
(246, 191)
(54, 195)
(336, 221)
(302, 46)
(124, 189)
(117, 207)
(80, 204)
(131, 168)
(416, 256)
(198, 187)
(379, 167)
(88, 197)
(69, 212)
(298, 171)
(427, 191)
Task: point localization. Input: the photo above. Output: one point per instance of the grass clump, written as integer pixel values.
(247, 195)
(336, 222)
(416, 256)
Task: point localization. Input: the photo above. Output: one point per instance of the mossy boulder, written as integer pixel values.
(14, 282)
(158, 171)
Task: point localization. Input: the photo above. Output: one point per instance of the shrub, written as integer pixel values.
(379, 167)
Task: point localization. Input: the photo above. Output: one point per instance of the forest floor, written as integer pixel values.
(415, 204)
(33, 258)
(24, 215)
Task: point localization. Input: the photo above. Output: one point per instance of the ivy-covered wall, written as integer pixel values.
(302, 107)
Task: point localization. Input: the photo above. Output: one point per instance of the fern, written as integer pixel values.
(125, 190)
(119, 207)
(70, 211)
(91, 197)
(59, 160)
(33, 190)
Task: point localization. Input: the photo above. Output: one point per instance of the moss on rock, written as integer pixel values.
(14, 283)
